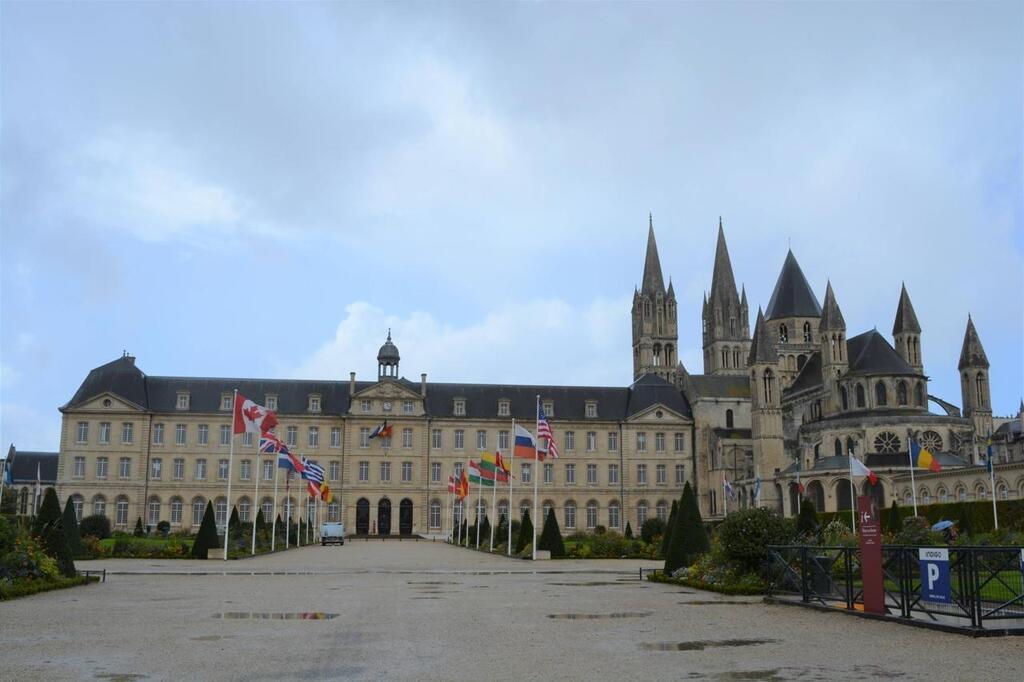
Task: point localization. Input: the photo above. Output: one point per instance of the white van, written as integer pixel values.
(332, 534)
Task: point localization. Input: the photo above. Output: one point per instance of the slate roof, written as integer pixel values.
(809, 376)
(23, 466)
(1010, 431)
(650, 390)
(972, 354)
(906, 318)
(792, 296)
(869, 353)
(653, 283)
(883, 461)
(712, 386)
(762, 349)
(723, 283)
(120, 376)
(831, 316)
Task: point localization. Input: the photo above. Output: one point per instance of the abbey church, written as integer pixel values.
(776, 409)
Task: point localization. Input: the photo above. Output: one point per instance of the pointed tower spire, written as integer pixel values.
(743, 296)
(762, 350)
(906, 318)
(792, 296)
(653, 283)
(972, 354)
(671, 291)
(831, 316)
(723, 283)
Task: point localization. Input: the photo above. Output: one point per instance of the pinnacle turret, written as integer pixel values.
(831, 315)
(906, 318)
(762, 350)
(972, 354)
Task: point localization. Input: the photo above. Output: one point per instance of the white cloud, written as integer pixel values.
(540, 341)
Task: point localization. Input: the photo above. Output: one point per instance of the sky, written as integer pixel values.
(263, 190)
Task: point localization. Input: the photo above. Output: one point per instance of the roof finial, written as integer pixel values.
(389, 333)
(719, 222)
(650, 220)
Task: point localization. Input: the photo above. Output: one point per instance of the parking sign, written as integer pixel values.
(935, 574)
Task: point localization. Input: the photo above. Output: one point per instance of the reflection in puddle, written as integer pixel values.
(431, 582)
(595, 583)
(700, 645)
(426, 597)
(257, 615)
(589, 616)
(209, 638)
(712, 602)
(119, 677)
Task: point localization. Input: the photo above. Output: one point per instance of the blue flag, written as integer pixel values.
(757, 487)
(988, 456)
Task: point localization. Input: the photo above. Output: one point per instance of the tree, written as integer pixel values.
(689, 539)
(49, 511)
(96, 525)
(668, 529)
(894, 524)
(206, 538)
(235, 527)
(525, 532)
(70, 522)
(501, 532)
(485, 530)
(551, 537)
(278, 532)
(139, 530)
(651, 529)
(807, 521)
(629, 531)
(48, 527)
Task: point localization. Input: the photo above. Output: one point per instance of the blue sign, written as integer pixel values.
(935, 575)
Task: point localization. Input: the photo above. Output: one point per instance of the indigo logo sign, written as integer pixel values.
(934, 574)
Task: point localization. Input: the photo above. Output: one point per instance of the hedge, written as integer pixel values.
(659, 577)
(25, 588)
(973, 517)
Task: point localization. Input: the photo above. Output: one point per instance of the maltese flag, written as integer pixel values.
(857, 468)
(252, 417)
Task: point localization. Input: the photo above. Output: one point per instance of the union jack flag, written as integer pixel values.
(271, 445)
(544, 431)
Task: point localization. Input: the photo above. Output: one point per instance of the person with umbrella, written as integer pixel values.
(948, 529)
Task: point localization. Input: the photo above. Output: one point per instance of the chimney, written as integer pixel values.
(423, 385)
(351, 383)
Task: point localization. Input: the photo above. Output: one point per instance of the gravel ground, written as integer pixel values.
(432, 612)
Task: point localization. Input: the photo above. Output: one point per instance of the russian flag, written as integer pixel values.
(525, 444)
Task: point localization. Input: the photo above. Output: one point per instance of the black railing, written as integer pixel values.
(986, 583)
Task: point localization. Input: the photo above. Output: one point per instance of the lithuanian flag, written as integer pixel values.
(493, 466)
(922, 458)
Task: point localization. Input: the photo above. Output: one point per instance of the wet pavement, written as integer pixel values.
(428, 611)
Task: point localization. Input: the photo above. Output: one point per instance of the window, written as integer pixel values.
(247, 439)
(591, 441)
(570, 474)
(503, 408)
(226, 401)
(435, 439)
(570, 441)
(458, 469)
(268, 470)
(435, 472)
(679, 443)
(334, 470)
(121, 511)
(659, 474)
(101, 467)
(459, 408)
(203, 434)
(570, 515)
(83, 432)
(592, 474)
(549, 409)
(886, 443)
(901, 393)
(364, 471)
(931, 441)
(680, 474)
(385, 472)
(481, 440)
(243, 509)
(225, 434)
(659, 442)
(503, 509)
(880, 394)
(156, 466)
(503, 440)
(335, 436)
(591, 410)
(613, 515)
(768, 380)
(613, 441)
(435, 514)
(661, 510)
(179, 434)
(641, 513)
(641, 474)
(245, 469)
(200, 469)
(460, 439)
(591, 515)
(177, 507)
(220, 512)
(845, 398)
(919, 395)
(807, 332)
(270, 401)
(364, 405)
(406, 472)
(127, 432)
(407, 438)
(79, 467)
(613, 474)
(222, 469)
(153, 517)
(104, 432)
(198, 509)
(182, 403)
(314, 403)
(179, 469)
(313, 436)
(364, 437)
(407, 407)
(268, 508)
(292, 436)
(99, 505)
(783, 334)
(524, 472)
(549, 473)
(641, 441)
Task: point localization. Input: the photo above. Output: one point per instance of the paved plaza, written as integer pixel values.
(420, 610)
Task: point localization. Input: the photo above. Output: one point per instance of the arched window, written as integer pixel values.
(99, 505)
(728, 419)
(220, 511)
(153, 511)
(807, 332)
(843, 394)
(177, 507)
(768, 388)
(980, 381)
(901, 393)
(570, 514)
(850, 446)
(919, 394)
(267, 506)
(121, 511)
(783, 334)
(661, 510)
(838, 447)
(198, 509)
(859, 391)
(735, 357)
(725, 357)
(244, 507)
(880, 395)
(613, 515)
(591, 515)
(77, 502)
(334, 512)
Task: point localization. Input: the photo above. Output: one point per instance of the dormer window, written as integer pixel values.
(503, 408)
(407, 407)
(314, 403)
(459, 407)
(364, 405)
(226, 401)
(591, 409)
(183, 400)
(549, 408)
(270, 402)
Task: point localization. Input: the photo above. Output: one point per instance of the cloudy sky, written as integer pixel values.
(262, 190)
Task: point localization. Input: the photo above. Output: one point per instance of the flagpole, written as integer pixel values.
(273, 520)
(536, 475)
(757, 486)
(287, 510)
(853, 511)
(256, 498)
(799, 492)
(913, 486)
(509, 548)
(479, 501)
(231, 456)
(992, 479)
(725, 496)
(494, 503)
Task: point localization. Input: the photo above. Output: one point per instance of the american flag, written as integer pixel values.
(544, 431)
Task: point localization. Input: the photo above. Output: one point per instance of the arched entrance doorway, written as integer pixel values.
(363, 516)
(384, 516)
(405, 517)
(816, 494)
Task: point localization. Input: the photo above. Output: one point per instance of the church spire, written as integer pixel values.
(653, 283)
(723, 283)
(762, 350)
(972, 354)
(831, 316)
(906, 318)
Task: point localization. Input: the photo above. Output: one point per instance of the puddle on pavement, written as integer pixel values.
(701, 645)
(595, 583)
(209, 638)
(426, 597)
(711, 602)
(594, 616)
(431, 582)
(257, 615)
(119, 677)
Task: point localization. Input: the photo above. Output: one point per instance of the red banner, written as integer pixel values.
(870, 530)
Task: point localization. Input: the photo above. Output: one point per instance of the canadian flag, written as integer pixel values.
(252, 417)
(857, 468)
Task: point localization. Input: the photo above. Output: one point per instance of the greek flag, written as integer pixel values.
(312, 472)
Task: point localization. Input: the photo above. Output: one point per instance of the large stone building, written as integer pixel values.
(793, 398)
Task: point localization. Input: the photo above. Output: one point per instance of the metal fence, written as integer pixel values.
(986, 583)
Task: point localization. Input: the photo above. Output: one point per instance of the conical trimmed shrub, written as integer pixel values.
(206, 538)
(551, 537)
(485, 531)
(525, 532)
(49, 511)
(70, 522)
(49, 529)
(689, 538)
(807, 520)
(139, 530)
(629, 531)
(663, 552)
(894, 522)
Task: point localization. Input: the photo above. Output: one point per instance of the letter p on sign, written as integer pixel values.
(935, 584)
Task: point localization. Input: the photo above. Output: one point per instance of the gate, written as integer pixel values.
(384, 517)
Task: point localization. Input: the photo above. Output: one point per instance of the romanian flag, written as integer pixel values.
(923, 459)
(526, 445)
(493, 466)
